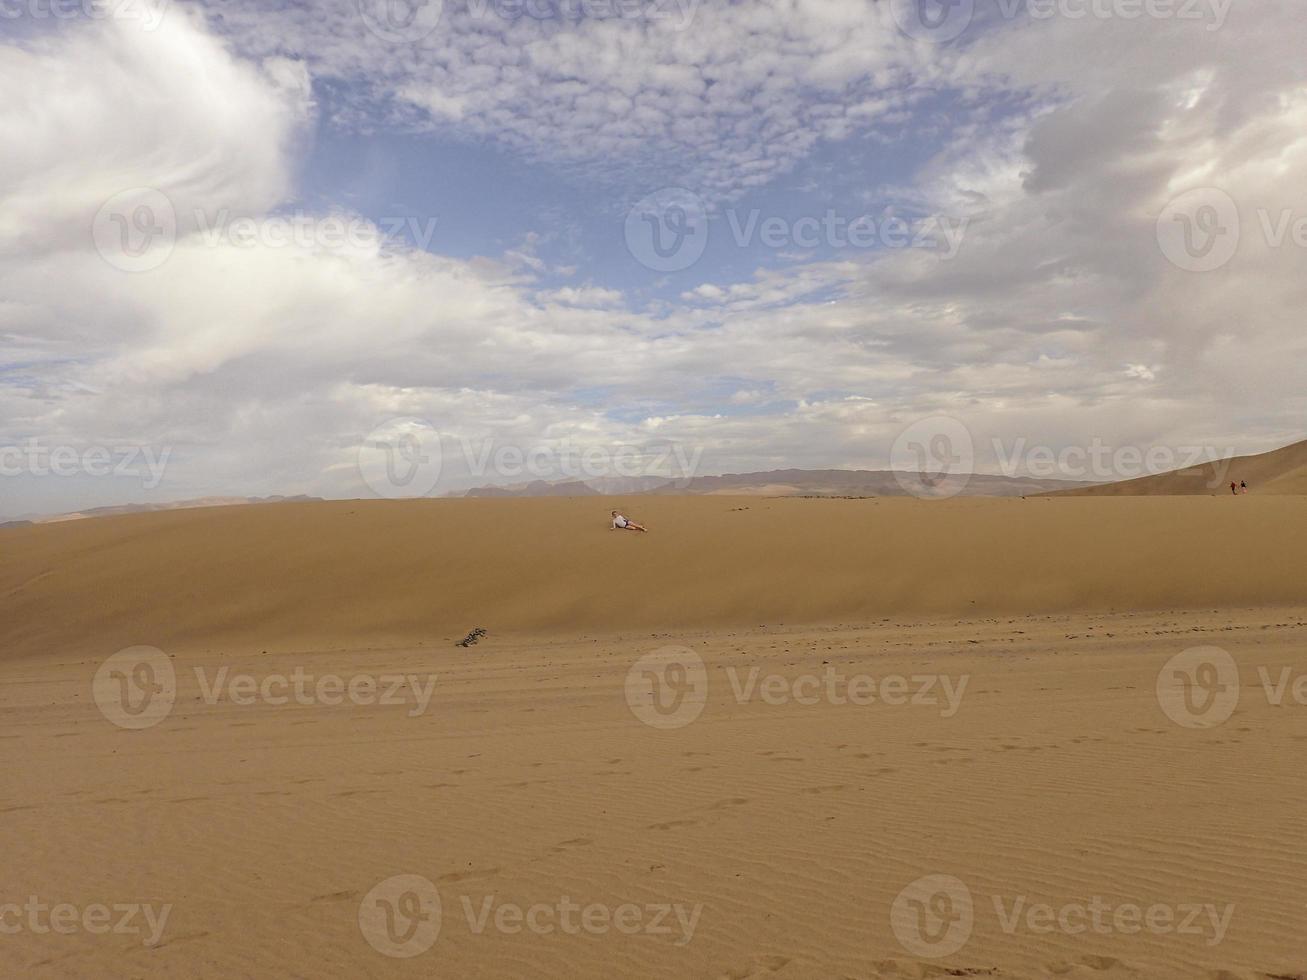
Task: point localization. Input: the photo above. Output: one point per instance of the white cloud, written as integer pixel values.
(1060, 319)
(105, 107)
(735, 98)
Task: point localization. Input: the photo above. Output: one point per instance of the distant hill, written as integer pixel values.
(169, 505)
(537, 488)
(1281, 471)
(779, 483)
(600, 486)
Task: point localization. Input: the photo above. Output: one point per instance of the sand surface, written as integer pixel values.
(351, 575)
(794, 810)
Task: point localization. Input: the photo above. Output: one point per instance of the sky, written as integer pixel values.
(362, 248)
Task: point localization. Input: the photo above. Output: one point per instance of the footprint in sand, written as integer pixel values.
(567, 845)
(756, 967)
(344, 896)
(466, 875)
(671, 824)
(1101, 962)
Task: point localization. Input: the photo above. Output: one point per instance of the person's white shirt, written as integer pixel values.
(619, 521)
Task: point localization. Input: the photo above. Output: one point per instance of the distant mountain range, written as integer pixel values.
(781, 483)
(146, 508)
(1281, 471)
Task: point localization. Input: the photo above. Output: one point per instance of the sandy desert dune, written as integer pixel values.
(1280, 471)
(784, 738)
(331, 575)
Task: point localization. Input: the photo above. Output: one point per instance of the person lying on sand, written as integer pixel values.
(620, 523)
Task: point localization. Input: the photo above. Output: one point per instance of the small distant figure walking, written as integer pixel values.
(1234, 489)
(1243, 486)
(621, 523)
